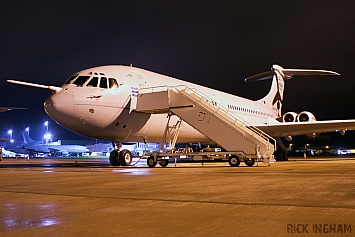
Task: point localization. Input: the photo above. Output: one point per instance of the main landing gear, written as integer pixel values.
(118, 158)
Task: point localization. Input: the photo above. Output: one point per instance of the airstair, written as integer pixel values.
(215, 122)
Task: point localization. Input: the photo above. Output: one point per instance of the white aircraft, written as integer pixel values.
(129, 104)
(6, 153)
(33, 147)
(5, 109)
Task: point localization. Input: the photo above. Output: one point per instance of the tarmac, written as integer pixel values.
(89, 197)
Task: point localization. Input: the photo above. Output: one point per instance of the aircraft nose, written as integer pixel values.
(59, 106)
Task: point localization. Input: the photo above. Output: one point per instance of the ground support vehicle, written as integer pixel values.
(234, 158)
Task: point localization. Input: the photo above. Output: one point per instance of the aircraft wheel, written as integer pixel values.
(234, 161)
(249, 162)
(164, 163)
(150, 162)
(114, 159)
(280, 155)
(125, 157)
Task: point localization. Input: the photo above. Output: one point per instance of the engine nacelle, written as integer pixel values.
(289, 117)
(305, 116)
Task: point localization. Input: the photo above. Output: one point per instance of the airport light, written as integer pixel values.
(28, 130)
(306, 147)
(47, 136)
(46, 124)
(10, 133)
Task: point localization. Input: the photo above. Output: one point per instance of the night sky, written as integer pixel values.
(212, 43)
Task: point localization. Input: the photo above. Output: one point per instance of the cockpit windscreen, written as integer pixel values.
(94, 80)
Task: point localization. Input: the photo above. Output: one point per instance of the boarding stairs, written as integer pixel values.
(202, 113)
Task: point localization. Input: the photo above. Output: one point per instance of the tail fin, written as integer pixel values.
(274, 98)
(26, 138)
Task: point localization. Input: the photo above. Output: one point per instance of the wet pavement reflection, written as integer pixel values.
(132, 171)
(16, 216)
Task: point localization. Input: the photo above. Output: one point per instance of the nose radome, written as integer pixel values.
(59, 106)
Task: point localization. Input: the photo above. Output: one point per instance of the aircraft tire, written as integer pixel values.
(234, 161)
(249, 162)
(164, 163)
(114, 158)
(150, 162)
(125, 157)
(280, 155)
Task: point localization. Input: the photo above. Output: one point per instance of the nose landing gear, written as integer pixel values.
(114, 158)
(118, 157)
(125, 157)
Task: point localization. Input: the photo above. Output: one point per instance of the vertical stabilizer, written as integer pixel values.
(275, 96)
(26, 138)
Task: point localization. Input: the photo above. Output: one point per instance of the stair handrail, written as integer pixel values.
(202, 96)
(218, 107)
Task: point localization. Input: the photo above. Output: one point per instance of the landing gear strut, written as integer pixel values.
(281, 153)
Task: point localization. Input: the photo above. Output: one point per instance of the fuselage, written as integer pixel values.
(96, 103)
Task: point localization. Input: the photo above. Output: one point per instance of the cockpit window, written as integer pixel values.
(93, 82)
(103, 82)
(81, 80)
(70, 79)
(113, 83)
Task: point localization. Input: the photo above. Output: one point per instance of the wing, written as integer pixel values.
(4, 109)
(302, 128)
(53, 149)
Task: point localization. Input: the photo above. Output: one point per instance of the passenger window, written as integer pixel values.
(81, 80)
(93, 82)
(103, 82)
(70, 79)
(113, 83)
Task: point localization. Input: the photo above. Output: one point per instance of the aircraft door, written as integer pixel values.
(140, 79)
(139, 82)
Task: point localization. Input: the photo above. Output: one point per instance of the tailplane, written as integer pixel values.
(278, 74)
(26, 138)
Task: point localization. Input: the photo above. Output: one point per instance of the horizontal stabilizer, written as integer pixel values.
(288, 73)
(308, 72)
(260, 77)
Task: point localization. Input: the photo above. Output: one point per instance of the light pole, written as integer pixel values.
(10, 133)
(28, 131)
(46, 135)
(46, 124)
(305, 154)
